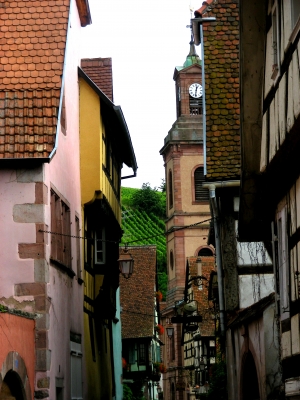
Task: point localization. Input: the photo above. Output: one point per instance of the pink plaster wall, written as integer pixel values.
(18, 335)
(64, 296)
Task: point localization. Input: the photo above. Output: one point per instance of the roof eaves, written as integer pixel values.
(84, 12)
(253, 311)
(131, 160)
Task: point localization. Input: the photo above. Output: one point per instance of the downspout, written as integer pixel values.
(203, 100)
(58, 128)
(216, 219)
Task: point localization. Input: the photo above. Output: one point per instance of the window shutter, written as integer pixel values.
(201, 194)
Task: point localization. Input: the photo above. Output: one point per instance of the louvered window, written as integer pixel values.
(201, 194)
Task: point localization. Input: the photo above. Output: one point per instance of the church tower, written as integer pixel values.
(187, 200)
(188, 212)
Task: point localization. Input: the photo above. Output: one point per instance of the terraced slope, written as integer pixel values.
(141, 228)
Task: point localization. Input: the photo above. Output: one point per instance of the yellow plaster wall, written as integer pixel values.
(90, 143)
(93, 368)
(194, 239)
(94, 182)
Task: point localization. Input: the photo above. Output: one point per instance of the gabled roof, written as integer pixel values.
(113, 117)
(194, 68)
(32, 49)
(137, 294)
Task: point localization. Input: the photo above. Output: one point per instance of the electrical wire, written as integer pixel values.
(132, 241)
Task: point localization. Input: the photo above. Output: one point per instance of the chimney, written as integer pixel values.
(99, 70)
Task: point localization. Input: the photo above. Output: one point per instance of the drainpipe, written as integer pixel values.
(203, 99)
(215, 211)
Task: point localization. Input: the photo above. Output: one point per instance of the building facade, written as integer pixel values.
(141, 344)
(270, 170)
(105, 145)
(40, 196)
(249, 335)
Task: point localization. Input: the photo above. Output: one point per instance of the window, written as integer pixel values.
(201, 194)
(76, 371)
(100, 245)
(275, 41)
(61, 231)
(283, 263)
(172, 348)
(196, 106)
(131, 353)
(78, 261)
(188, 351)
(205, 252)
(171, 260)
(170, 189)
(63, 116)
(295, 12)
(142, 354)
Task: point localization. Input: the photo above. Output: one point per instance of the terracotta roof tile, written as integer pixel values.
(32, 44)
(221, 41)
(99, 70)
(138, 294)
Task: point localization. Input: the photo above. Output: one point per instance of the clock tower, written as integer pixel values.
(188, 211)
(188, 81)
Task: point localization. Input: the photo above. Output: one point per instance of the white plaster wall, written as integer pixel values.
(261, 338)
(253, 288)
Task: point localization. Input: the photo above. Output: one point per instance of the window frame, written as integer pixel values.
(60, 218)
(97, 243)
(170, 189)
(198, 190)
(283, 263)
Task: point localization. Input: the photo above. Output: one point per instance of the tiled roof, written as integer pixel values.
(32, 46)
(221, 50)
(99, 71)
(138, 294)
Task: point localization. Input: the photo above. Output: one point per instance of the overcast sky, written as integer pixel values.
(145, 40)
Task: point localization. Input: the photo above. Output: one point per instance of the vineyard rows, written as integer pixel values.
(141, 228)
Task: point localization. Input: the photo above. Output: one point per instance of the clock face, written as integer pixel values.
(195, 90)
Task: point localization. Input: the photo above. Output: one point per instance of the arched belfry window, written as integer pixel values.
(205, 252)
(170, 189)
(201, 193)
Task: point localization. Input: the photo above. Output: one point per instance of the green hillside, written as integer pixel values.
(142, 227)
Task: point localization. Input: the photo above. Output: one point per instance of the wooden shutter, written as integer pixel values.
(201, 194)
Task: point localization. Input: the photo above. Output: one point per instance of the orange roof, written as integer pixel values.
(32, 48)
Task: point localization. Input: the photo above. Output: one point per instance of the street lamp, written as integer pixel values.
(126, 264)
(170, 332)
